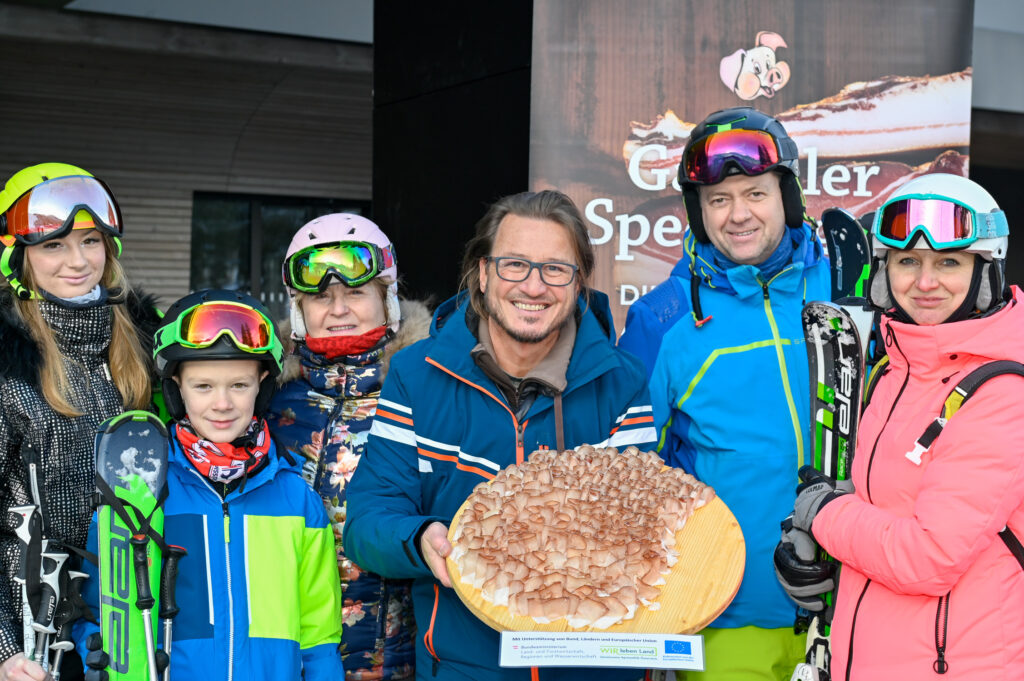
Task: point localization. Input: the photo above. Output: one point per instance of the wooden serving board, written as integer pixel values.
(700, 586)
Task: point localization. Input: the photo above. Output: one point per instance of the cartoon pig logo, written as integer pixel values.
(755, 72)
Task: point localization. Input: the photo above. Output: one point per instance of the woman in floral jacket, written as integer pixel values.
(346, 322)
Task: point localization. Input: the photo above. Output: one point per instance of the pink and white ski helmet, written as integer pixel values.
(336, 228)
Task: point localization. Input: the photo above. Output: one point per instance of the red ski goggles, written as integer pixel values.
(353, 262)
(706, 161)
(944, 222)
(47, 211)
(201, 326)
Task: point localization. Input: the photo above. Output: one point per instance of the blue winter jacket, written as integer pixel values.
(258, 590)
(730, 396)
(442, 426)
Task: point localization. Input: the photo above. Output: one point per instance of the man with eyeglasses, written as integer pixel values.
(523, 358)
(723, 343)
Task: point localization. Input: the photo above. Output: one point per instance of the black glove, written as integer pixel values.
(97, 661)
(801, 573)
(815, 490)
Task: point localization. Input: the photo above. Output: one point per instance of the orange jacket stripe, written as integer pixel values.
(455, 460)
(394, 417)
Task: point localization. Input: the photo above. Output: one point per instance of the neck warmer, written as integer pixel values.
(332, 347)
(225, 461)
(79, 332)
(776, 262)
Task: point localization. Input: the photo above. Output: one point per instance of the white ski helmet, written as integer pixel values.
(339, 229)
(971, 222)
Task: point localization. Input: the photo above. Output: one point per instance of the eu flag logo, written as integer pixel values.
(677, 647)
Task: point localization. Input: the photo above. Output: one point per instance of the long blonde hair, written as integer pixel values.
(129, 365)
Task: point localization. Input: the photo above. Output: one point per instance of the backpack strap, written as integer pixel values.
(956, 398)
(877, 371)
(960, 394)
(1012, 543)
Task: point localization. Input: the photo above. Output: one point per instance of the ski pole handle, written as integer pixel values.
(168, 605)
(50, 592)
(143, 592)
(168, 578)
(144, 600)
(49, 597)
(70, 608)
(28, 532)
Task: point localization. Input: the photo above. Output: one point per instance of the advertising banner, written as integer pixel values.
(873, 92)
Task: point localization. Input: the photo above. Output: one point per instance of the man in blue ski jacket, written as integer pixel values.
(522, 359)
(723, 344)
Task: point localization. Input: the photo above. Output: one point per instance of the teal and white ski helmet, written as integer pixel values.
(943, 212)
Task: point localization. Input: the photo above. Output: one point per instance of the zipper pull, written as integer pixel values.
(106, 372)
(227, 523)
(435, 666)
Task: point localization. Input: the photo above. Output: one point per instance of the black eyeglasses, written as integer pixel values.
(519, 269)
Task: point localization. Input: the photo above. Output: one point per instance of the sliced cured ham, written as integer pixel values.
(584, 535)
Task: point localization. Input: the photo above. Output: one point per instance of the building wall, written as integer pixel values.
(161, 110)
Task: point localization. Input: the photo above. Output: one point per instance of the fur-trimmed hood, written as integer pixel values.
(21, 358)
(415, 326)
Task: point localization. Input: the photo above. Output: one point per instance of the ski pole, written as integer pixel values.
(144, 600)
(71, 608)
(30, 455)
(28, 532)
(50, 594)
(168, 606)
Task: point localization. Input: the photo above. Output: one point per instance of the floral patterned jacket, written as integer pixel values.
(323, 411)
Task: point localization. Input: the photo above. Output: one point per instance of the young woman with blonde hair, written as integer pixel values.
(76, 344)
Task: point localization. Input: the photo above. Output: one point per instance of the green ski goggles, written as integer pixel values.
(352, 262)
(203, 325)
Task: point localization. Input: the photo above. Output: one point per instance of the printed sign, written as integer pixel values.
(640, 651)
(873, 92)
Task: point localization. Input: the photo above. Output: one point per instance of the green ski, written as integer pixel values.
(131, 479)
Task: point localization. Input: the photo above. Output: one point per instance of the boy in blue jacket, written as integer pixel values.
(258, 589)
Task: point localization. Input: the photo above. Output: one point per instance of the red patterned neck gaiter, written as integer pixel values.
(333, 347)
(225, 461)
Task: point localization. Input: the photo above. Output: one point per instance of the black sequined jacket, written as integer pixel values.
(64, 445)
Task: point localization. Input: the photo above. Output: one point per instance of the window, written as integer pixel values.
(239, 241)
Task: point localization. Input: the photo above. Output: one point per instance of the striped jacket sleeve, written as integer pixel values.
(634, 425)
(385, 509)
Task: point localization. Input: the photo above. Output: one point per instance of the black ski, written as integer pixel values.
(848, 252)
(836, 361)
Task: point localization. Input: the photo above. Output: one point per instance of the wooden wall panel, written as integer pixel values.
(158, 126)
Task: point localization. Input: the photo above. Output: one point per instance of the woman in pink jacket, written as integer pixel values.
(928, 588)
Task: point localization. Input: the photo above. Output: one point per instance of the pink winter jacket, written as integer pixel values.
(924, 573)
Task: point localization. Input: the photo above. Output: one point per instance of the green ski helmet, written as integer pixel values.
(47, 201)
(216, 324)
(733, 141)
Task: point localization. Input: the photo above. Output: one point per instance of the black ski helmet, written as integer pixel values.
(788, 167)
(168, 353)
